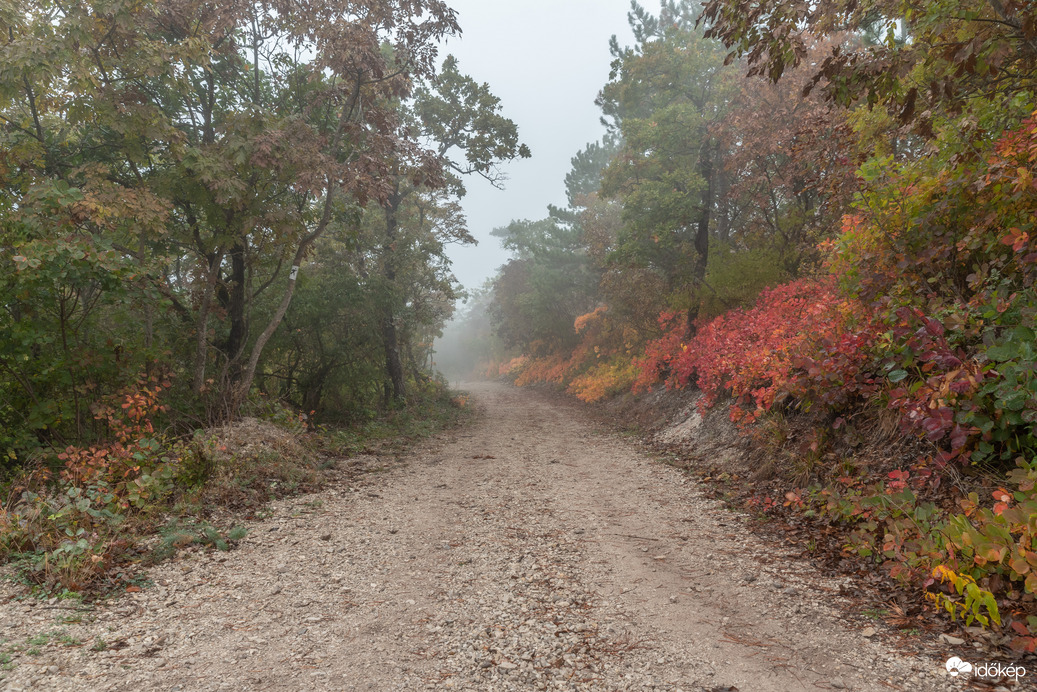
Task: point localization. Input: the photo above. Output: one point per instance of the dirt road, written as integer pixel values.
(528, 551)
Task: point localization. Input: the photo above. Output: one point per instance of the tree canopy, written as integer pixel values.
(175, 176)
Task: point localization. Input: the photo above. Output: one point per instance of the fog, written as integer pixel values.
(546, 61)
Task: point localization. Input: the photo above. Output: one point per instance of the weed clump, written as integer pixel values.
(83, 520)
(78, 520)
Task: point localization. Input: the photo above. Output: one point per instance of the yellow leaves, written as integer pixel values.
(1024, 179)
(584, 321)
(976, 599)
(603, 380)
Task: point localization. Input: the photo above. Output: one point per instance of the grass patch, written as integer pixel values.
(875, 613)
(69, 619)
(32, 644)
(178, 535)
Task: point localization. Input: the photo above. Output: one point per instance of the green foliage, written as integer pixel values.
(919, 60)
(539, 294)
(234, 210)
(178, 535)
(160, 196)
(328, 360)
(940, 253)
(944, 244)
(665, 94)
(584, 178)
(457, 112)
(415, 292)
(967, 549)
(697, 199)
(61, 346)
(83, 528)
(736, 278)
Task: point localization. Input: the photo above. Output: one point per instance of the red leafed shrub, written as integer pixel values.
(835, 372)
(799, 338)
(659, 353)
(934, 383)
(128, 417)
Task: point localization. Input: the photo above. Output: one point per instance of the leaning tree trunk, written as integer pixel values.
(240, 389)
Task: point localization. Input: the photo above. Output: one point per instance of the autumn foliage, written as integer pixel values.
(211, 211)
(923, 311)
(600, 365)
(792, 337)
(823, 221)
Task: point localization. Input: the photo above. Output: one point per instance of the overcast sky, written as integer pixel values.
(546, 60)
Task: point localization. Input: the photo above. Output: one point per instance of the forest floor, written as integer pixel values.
(530, 549)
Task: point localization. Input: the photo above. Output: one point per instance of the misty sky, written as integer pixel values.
(546, 60)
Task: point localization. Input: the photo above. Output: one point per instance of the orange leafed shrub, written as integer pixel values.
(601, 364)
(551, 368)
(607, 379)
(513, 366)
(128, 416)
(590, 320)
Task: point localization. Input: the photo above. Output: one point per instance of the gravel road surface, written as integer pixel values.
(530, 550)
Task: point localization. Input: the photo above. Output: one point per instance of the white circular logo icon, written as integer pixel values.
(955, 666)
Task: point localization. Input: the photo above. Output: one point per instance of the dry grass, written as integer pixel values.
(253, 461)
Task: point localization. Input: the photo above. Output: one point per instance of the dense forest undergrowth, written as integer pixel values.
(828, 234)
(90, 524)
(213, 214)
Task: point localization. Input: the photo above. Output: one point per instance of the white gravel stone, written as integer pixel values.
(506, 556)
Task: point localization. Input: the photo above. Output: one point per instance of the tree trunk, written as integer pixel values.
(248, 374)
(702, 232)
(236, 313)
(313, 390)
(390, 335)
(393, 361)
(723, 221)
(201, 350)
(240, 388)
(705, 213)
